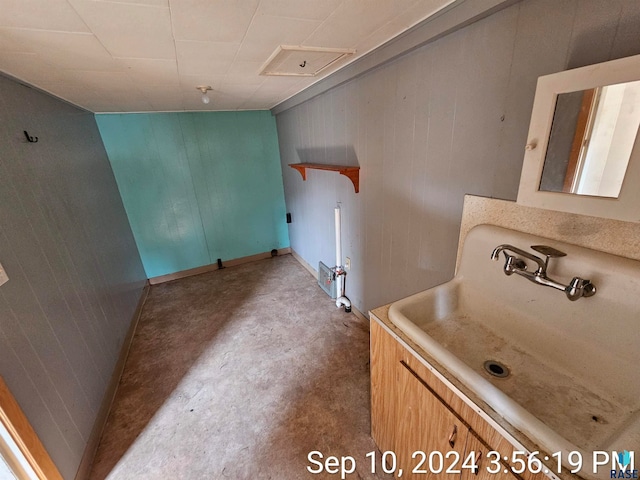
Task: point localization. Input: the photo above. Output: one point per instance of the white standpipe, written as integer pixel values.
(338, 239)
(341, 299)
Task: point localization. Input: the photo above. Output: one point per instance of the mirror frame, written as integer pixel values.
(627, 205)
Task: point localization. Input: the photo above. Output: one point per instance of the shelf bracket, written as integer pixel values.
(352, 173)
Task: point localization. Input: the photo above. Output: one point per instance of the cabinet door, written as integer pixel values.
(427, 425)
(484, 463)
(384, 387)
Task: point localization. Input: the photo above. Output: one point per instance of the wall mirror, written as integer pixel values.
(583, 149)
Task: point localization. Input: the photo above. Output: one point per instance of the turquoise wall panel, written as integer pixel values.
(198, 186)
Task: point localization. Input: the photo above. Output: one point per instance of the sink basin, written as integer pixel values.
(572, 381)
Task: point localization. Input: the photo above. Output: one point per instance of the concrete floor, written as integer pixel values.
(239, 374)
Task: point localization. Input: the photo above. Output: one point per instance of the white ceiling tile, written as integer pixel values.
(128, 30)
(276, 31)
(9, 43)
(116, 87)
(81, 51)
(30, 66)
(256, 104)
(280, 84)
(256, 51)
(419, 11)
(151, 71)
(249, 69)
(237, 90)
(212, 20)
(243, 80)
(120, 55)
(157, 3)
(41, 14)
(168, 105)
(164, 98)
(352, 21)
(104, 81)
(86, 98)
(227, 103)
(309, 9)
(205, 57)
(68, 90)
(406, 19)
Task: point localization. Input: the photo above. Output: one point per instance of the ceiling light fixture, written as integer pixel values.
(204, 89)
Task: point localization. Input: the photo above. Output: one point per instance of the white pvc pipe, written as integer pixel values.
(340, 273)
(338, 238)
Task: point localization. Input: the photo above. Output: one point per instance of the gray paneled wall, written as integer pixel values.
(444, 120)
(75, 273)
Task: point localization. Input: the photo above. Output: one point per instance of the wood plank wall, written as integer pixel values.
(445, 119)
(198, 186)
(75, 276)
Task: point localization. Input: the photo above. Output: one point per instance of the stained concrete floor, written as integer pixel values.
(240, 373)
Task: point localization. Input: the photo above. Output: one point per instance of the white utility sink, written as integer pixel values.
(574, 381)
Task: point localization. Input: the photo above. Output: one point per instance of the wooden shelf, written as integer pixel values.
(353, 173)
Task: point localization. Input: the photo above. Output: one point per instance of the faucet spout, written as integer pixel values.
(576, 289)
(542, 265)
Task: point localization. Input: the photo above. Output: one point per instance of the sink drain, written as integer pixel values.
(496, 369)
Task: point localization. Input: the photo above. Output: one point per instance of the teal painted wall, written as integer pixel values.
(198, 186)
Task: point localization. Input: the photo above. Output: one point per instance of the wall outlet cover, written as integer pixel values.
(347, 263)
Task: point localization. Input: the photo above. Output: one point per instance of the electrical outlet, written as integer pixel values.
(347, 263)
(3, 276)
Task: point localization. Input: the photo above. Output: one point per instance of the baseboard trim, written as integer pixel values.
(214, 266)
(314, 272)
(302, 262)
(101, 420)
(359, 314)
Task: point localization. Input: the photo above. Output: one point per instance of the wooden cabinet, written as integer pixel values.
(431, 426)
(384, 387)
(414, 411)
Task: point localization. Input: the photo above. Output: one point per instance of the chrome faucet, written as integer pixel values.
(577, 288)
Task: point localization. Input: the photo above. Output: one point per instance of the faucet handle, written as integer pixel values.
(579, 287)
(548, 251)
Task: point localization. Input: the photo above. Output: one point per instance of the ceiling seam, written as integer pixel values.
(175, 51)
(244, 36)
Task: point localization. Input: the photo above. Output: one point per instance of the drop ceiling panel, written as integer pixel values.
(8, 43)
(127, 30)
(274, 31)
(255, 51)
(164, 98)
(152, 72)
(72, 51)
(205, 57)
(212, 20)
(41, 14)
(29, 65)
(309, 9)
(238, 90)
(131, 55)
(339, 30)
(157, 3)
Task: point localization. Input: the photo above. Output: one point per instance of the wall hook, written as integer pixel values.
(30, 139)
(303, 64)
